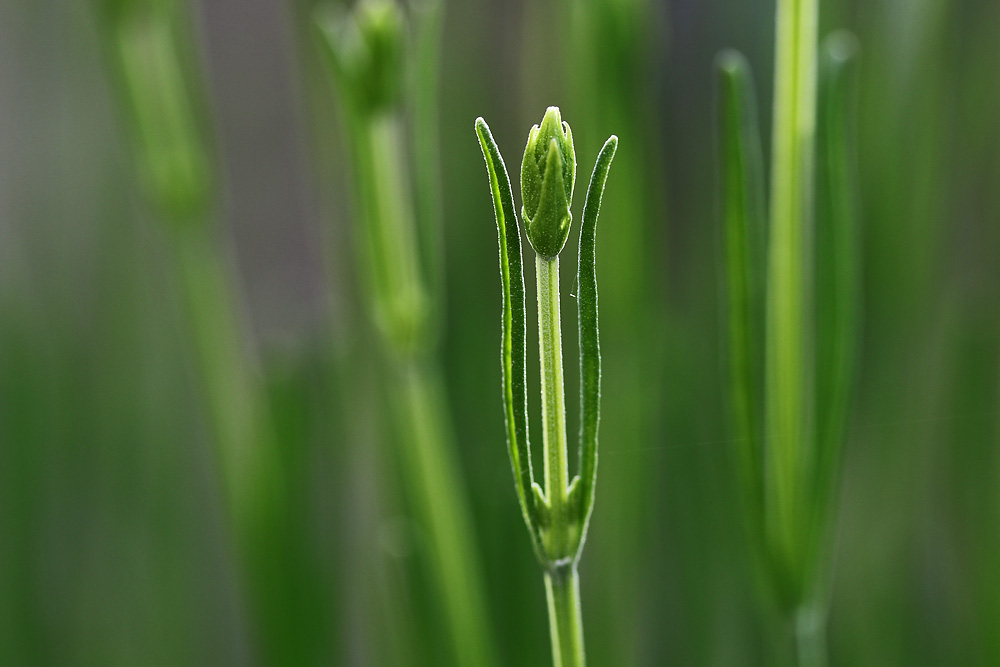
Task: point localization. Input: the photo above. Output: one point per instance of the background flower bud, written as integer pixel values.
(368, 52)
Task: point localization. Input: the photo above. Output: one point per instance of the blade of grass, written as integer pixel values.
(788, 377)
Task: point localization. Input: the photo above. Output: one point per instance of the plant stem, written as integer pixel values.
(788, 383)
(553, 393)
(428, 25)
(562, 583)
(562, 588)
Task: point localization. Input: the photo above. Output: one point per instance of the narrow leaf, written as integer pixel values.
(742, 209)
(514, 329)
(590, 349)
(837, 256)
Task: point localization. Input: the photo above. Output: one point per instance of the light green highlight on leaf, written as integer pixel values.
(788, 418)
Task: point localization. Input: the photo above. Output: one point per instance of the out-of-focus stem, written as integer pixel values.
(237, 416)
(146, 47)
(177, 176)
(399, 297)
(428, 18)
(240, 426)
(429, 456)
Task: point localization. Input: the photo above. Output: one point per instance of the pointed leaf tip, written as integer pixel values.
(731, 61)
(841, 46)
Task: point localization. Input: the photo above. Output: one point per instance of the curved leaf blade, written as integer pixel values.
(589, 336)
(513, 346)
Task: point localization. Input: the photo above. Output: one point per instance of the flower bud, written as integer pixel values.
(366, 48)
(548, 173)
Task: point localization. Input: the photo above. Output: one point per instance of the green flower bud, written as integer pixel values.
(548, 174)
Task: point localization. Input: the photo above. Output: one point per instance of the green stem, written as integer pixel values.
(562, 588)
(553, 395)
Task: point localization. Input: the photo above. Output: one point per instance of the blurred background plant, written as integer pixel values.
(792, 311)
(119, 539)
(381, 73)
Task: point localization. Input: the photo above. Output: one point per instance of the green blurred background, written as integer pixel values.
(115, 542)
